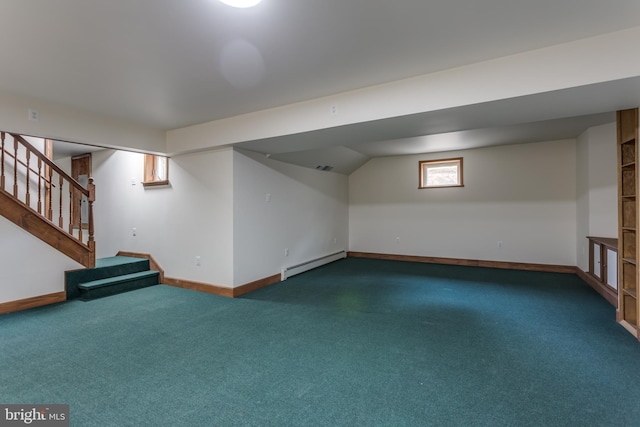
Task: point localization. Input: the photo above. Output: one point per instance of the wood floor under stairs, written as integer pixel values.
(112, 275)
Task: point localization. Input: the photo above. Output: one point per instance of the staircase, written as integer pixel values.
(110, 276)
(42, 199)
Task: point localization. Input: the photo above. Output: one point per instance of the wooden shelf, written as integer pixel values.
(628, 221)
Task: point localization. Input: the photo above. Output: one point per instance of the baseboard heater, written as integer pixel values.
(308, 265)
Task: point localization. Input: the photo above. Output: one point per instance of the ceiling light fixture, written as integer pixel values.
(241, 3)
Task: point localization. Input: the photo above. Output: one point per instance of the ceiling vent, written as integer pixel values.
(324, 168)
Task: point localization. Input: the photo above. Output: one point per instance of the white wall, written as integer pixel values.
(191, 217)
(279, 206)
(216, 209)
(597, 190)
(523, 195)
(67, 124)
(582, 201)
(28, 266)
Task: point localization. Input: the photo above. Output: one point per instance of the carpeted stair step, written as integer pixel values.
(104, 269)
(118, 284)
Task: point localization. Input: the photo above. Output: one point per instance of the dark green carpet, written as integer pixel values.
(358, 342)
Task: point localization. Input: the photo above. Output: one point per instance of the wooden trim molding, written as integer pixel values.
(604, 290)
(199, 286)
(33, 302)
(153, 264)
(424, 164)
(548, 268)
(222, 290)
(255, 285)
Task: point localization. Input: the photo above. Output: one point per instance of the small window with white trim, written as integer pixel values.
(441, 173)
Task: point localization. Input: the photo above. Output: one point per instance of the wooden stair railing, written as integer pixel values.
(37, 195)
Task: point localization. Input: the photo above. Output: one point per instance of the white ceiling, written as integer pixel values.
(168, 64)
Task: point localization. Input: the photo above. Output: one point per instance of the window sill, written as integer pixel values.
(440, 186)
(156, 184)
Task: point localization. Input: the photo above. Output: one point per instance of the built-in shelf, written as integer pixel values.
(628, 276)
(603, 267)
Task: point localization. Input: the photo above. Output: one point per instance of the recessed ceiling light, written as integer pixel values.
(241, 3)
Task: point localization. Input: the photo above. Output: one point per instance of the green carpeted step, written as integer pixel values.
(104, 269)
(118, 284)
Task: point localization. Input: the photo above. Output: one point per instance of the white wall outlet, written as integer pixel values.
(34, 115)
(333, 110)
(335, 240)
(397, 240)
(198, 260)
(286, 251)
(133, 233)
(499, 244)
(267, 198)
(133, 180)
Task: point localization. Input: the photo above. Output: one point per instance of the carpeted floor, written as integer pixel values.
(357, 342)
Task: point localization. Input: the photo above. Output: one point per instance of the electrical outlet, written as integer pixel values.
(134, 232)
(499, 244)
(198, 260)
(267, 198)
(34, 115)
(333, 110)
(286, 251)
(397, 240)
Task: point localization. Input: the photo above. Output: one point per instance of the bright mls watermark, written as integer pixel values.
(34, 415)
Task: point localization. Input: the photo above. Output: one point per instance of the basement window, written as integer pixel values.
(441, 173)
(156, 170)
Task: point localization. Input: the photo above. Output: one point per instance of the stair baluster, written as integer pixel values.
(2, 187)
(39, 185)
(61, 218)
(27, 195)
(15, 168)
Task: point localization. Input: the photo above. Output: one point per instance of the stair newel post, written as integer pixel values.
(2, 135)
(91, 199)
(60, 220)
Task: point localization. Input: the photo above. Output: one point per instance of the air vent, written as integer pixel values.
(324, 168)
